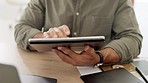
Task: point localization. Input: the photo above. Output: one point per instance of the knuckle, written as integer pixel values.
(63, 49)
(68, 52)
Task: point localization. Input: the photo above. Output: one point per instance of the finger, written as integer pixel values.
(64, 57)
(89, 50)
(62, 30)
(59, 33)
(68, 51)
(52, 33)
(45, 35)
(65, 29)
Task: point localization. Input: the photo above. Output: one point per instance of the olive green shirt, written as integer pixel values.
(115, 19)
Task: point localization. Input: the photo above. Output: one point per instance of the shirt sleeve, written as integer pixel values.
(30, 23)
(127, 38)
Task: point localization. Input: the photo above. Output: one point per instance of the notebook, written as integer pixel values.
(9, 74)
(112, 76)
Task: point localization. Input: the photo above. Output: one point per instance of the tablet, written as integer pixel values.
(75, 43)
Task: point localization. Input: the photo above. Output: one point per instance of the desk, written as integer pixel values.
(43, 64)
(49, 65)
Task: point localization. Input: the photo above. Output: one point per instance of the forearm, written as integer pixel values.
(38, 35)
(127, 47)
(23, 33)
(110, 56)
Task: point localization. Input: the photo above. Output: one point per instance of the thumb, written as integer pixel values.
(89, 50)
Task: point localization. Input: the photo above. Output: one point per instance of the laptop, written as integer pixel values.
(9, 74)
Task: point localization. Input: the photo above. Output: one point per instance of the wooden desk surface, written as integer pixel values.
(43, 64)
(49, 65)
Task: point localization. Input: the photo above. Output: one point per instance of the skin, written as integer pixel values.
(87, 57)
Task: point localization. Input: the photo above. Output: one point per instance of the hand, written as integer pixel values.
(88, 57)
(57, 32)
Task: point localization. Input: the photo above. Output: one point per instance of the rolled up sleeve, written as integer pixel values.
(127, 39)
(30, 23)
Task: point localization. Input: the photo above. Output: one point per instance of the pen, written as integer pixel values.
(141, 74)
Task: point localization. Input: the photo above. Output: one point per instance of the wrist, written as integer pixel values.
(101, 58)
(110, 56)
(38, 35)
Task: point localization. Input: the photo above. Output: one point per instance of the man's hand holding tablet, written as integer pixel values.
(58, 38)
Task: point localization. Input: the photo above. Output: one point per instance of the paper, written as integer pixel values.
(85, 70)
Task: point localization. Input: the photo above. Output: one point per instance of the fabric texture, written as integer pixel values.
(113, 19)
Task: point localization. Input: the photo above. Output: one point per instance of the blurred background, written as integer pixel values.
(10, 11)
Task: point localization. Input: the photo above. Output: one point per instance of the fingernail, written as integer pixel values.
(59, 48)
(63, 26)
(67, 32)
(51, 29)
(86, 48)
(45, 35)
